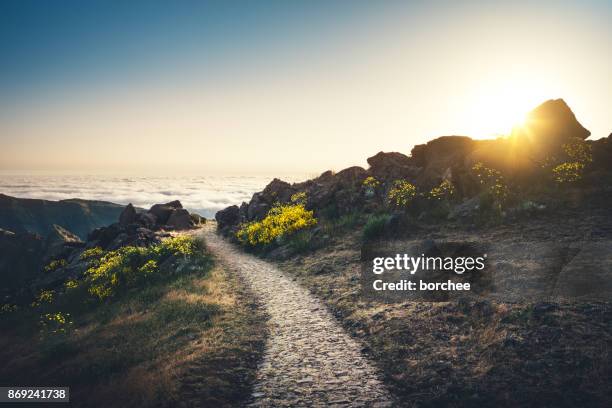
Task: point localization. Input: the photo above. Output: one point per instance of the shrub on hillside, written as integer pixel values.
(55, 264)
(53, 324)
(299, 198)
(578, 150)
(281, 221)
(579, 154)
(443, 192)
(375, 226)
(492, 181)
(127, 266)
(568, 172)
(402, 193)
(568, 169)
(304, 241)
(370, 185)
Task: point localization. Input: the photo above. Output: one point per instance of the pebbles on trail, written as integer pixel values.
(309, 359)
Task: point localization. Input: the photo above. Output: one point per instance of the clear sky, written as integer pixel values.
(283, 86)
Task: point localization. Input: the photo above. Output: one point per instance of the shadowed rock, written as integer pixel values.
(392, 165)
(180, 219)
(128, 215)
(228, 217)
(552, 123)
(162, 212)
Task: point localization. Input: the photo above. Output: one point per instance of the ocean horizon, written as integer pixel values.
(204, 195)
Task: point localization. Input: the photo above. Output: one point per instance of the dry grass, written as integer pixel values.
(195, 339)
(476, 352)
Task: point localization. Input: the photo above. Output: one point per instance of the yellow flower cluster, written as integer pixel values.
(578, 150)
(299, 198)
(371, 182)
(55, 264)
(569, 172)
(71, 284)
(44, 296)
(402, 193)
(55, 323)
(181, 245)
(444, 191)
(493, 180)
(280, 221)
(92, 253)
(124, 266)
(149, 267)
(8, 308)
(579, 153)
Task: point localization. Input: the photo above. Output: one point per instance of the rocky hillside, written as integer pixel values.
(22, 215)
(534, 329)
(29, 261)
(526, 161)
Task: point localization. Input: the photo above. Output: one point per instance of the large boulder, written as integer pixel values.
(102, 237)
(552, 124)
(180, 219)
(258, 207)
(141, 237)
(147, 220)
(278, 190)
(128, 215)
(351, 177)
(391, 166)
(321, 193)
(441, 158)
(522, 155)
(162, 212)
(228, 217)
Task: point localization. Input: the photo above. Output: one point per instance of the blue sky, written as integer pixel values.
(71, 41)
(253, 82)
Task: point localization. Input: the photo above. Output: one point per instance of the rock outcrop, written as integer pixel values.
(441, 158)
(59, 243)
(141, 229)
(229, 216)
(128, 215)
(552, 123)
(180, 219)
(392, 165)
(29, 262)
(519, 157)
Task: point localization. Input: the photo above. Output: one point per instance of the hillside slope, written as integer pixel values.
(38, 216)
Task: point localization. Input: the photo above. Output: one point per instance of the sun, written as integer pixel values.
(499, 109)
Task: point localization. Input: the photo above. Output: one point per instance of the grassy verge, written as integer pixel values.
(192, 338)
(470, 352)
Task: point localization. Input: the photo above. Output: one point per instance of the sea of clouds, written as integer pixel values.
(203, 195)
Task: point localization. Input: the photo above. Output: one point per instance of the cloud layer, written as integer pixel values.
(203, 195)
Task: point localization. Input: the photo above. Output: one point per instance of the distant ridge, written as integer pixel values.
(22, 215)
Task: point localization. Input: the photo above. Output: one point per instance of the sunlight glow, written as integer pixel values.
(499, 108)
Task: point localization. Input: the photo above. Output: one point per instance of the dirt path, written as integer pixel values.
(309, 359)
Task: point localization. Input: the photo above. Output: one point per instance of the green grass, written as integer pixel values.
(139, 347)
(375, 227)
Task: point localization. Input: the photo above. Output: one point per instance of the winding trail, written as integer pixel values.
(309, 359)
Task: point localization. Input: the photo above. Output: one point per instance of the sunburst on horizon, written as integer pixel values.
(499, 109)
